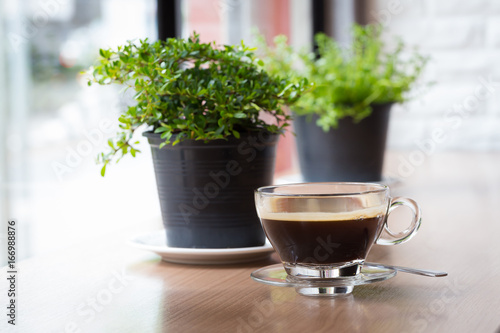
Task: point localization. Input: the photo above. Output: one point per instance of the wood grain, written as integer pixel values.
(108, 286)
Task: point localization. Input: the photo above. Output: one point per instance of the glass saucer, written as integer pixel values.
(275, 275)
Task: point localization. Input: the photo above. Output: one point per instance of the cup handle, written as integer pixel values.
(406, 235)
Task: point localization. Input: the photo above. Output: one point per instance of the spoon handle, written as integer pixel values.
(424, 272)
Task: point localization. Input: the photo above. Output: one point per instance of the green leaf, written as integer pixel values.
(160, 130)
(219, 131)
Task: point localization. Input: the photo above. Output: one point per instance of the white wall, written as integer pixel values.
(462, 109)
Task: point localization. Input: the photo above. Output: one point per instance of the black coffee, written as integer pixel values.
(322, 238)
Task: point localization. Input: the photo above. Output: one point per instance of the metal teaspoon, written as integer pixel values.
(424, 272)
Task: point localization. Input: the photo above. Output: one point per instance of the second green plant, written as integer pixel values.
(348, 79)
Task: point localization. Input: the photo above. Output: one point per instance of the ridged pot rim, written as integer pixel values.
(373, 105)
(264, 138)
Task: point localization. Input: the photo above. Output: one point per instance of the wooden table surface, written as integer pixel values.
(108, 286)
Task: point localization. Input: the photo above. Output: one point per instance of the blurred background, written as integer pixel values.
(52, 125)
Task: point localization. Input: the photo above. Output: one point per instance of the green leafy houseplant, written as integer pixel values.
(354, 89)
(347, 80)
(210, 143)
(186, 89)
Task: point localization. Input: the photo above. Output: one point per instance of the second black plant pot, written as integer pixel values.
(206, 190)
(351, 152)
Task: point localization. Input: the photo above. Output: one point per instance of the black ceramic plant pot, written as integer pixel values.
(206, 190)
(351, 152)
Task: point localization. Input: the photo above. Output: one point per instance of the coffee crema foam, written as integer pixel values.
(325, 216)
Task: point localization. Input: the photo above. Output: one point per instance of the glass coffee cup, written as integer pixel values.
(325, 230)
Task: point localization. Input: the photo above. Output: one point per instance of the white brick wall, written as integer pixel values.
(463, 39)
